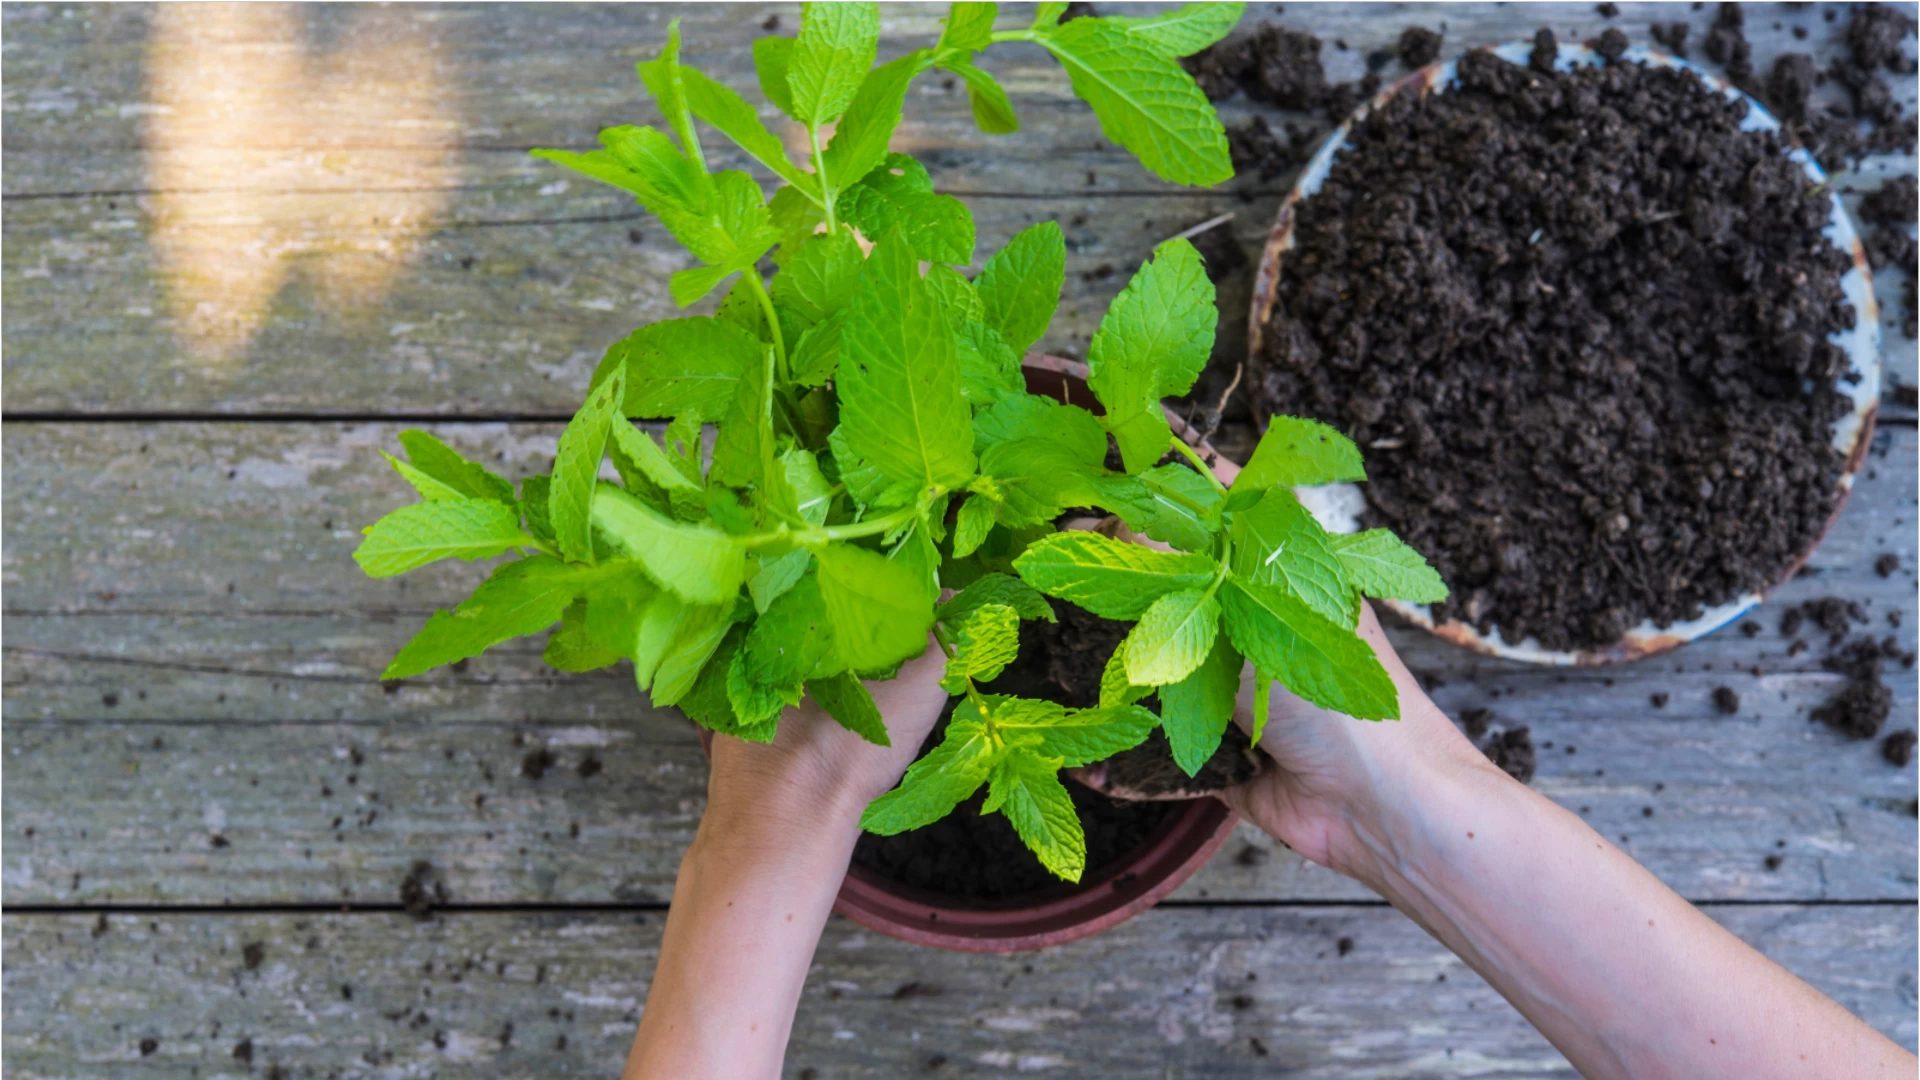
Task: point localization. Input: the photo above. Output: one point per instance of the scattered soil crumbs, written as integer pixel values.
(422, 890)
(1671, 37)
(1726, 43)
(1419, 47)
(1512, 750)
(1587, 356)
(536, 762)
(970, 854)
(1898, 748)
(1890, 242)
(1726, 700)
(1860, 708)
(1281, 67)
(1886, 564)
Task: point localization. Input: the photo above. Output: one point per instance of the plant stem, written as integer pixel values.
(773, 322)
(820, 171)
(1189, 453)
(823, 534)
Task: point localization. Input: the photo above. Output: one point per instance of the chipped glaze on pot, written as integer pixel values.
(1339, 506)
(1174, 851)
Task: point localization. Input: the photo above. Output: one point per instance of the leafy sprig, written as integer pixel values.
(873, 444)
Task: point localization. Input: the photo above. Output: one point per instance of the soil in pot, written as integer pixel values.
(978, 855)
(1578, 322)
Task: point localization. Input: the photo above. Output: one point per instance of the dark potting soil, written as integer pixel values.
(1419, 47)
(1586, 355)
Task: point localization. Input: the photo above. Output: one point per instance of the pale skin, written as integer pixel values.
(1619, 972)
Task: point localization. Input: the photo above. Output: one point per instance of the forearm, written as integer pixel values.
(753, 894)
(1623, 976)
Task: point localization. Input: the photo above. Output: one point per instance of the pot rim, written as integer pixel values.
(1852, 433)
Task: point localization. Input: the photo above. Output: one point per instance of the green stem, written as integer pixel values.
(820, 172)
(773, 322)
(1191, 455)
(822, 534)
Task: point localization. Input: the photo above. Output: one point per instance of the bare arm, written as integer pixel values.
(758, 883)
(1622, 975)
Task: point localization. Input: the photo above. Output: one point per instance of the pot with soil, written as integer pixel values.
(967, 882)
(1608, 340)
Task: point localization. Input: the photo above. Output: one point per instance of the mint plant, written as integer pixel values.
(875, 446)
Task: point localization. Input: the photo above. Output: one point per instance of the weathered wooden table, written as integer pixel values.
(244, 246)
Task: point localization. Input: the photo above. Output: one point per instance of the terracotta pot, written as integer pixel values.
(1337, 505)
(1182, 843)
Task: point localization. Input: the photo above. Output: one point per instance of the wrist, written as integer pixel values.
(760, 792)
(1388, 829)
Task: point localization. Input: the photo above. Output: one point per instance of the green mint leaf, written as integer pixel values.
(869, 486)
(1031, 417)
(1144, 100)
(711, 705)
(1047, 16)
(954, 294)
(442, 463)
(576, 468)
(900, 403)
(618, 606)
(835, 48)
(1195, 711)
(1300, 453)
(1020, 286)
(989, 369)
(755, 702)
(662, 76)
(643, 162)
(898, 194)
(915, 551)
(1077, 737)
(847, 700)
(860, 141)
(720, 105)
(683, 446)
(971, 527)
(1179, 507)
(429, 489)
(815, 358)
(800, 489)
(730, 229)
(1153, 343)
(1318, 659)
(533, 503)
(820, 277)
(987, 641)
(1003, 589)
(772, 59)
(1379, 563)
(521, 598)
(1025, 787)
(937, 783)
(795, 216)
(674, 643)
(681, 368)
(774, 575)
(1278, 542)
(1262, 704)
(789, 639)
(426, 532)
(743, 450)
(992, 111)
(969, 27)
(1114, 580)
(697, 563)
(880, 609)
(1172, 638)
(1183, 31)
(638, 457)
(1115, 689)
(572, 648)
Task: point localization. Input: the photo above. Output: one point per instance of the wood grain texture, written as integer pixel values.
(433, 268)
(193, 584)
(1239, 993)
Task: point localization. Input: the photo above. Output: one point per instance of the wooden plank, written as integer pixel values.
(120, 629)
(1233, 993)
(407, 241)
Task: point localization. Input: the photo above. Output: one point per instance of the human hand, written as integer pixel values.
(816, 770)
(1336, 779)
